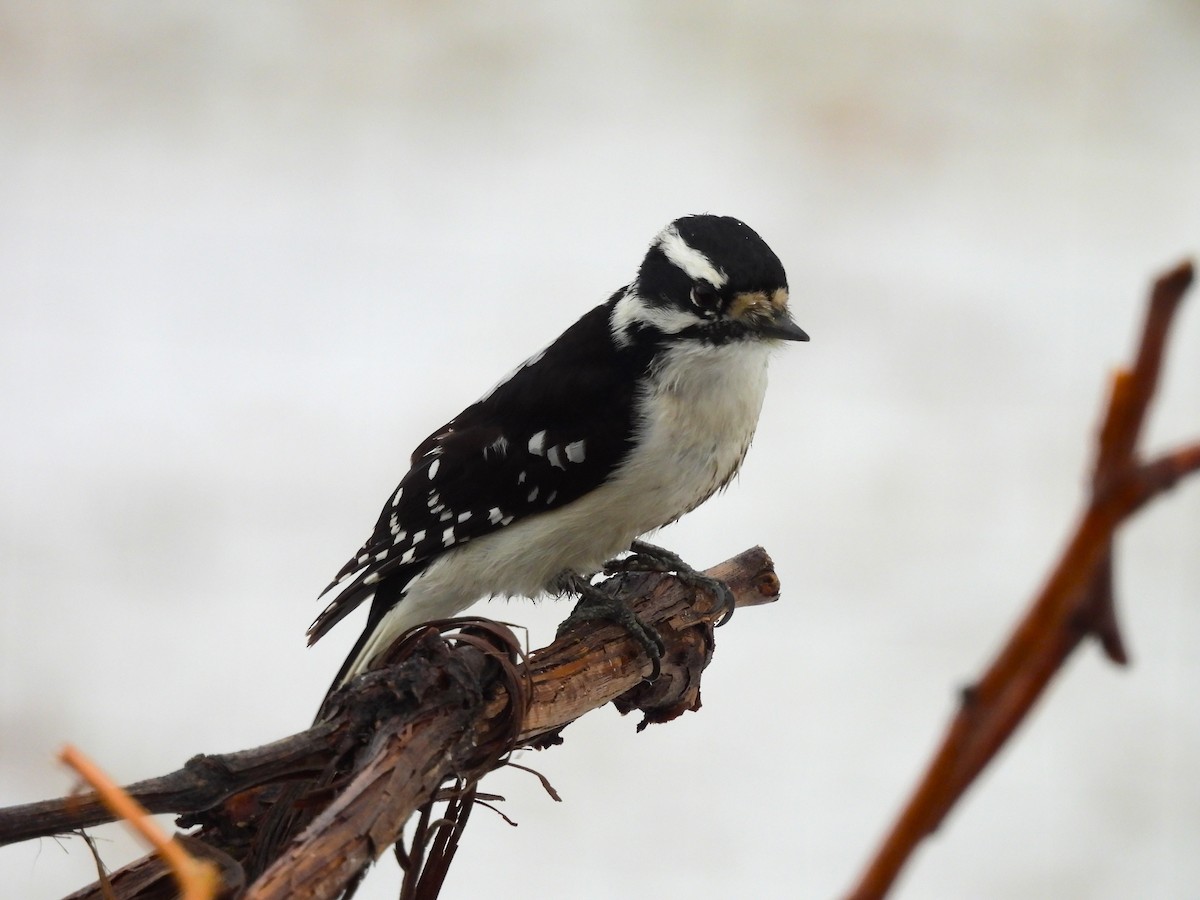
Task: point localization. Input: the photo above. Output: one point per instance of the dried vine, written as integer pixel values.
(305, 816)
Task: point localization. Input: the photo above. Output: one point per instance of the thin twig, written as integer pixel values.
(198, 879)
(1075, 601)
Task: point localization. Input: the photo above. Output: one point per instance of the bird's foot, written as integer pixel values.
(646, 557)
(595, 603)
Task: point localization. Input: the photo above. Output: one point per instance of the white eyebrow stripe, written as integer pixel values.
(686, 257)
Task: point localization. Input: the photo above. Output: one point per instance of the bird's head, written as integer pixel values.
(711, 279)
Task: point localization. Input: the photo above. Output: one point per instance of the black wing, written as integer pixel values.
(552, 431)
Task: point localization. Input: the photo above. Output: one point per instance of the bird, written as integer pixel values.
(635, 415)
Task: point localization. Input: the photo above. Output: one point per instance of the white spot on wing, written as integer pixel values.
(433, 469)
(446, 516)
(494, 515)
(532, 494)
(554, 454)
(418, 537)
(448, 536)
(575, 451)
(550, 497)
(400, 536)
(462, 517)
(537, 443)
(373, 578)
(397, 495)
(408, 555)
(521, 477)
(379, 557)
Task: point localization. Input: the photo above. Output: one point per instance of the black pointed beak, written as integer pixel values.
(784, 329)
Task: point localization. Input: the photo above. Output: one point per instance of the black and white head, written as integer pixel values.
(709, 279)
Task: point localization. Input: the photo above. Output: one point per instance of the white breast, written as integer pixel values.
(697, 419)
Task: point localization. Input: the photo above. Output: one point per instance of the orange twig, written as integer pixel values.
(1129, 402)
(1076, 600)
(198, 879)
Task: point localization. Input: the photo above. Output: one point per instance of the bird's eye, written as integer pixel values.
(705, 298)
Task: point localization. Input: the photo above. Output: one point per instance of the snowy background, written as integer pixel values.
(250, 254)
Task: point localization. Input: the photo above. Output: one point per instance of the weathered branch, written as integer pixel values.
(305, 815)
(1077, 599)
(203, 782)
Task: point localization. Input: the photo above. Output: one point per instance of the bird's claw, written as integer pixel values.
(646, 557)
(595, 603)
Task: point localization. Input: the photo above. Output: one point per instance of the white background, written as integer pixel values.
(250, 254)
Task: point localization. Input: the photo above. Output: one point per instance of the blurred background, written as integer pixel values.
(251, 254)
